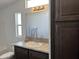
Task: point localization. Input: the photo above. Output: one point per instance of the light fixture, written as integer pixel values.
(40, 8)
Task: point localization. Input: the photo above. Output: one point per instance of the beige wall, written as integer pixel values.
(7, 23)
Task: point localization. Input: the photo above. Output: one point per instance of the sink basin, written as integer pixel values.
(34, 44)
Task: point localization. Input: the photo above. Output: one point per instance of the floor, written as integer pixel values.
(8, 55)
(12, 57)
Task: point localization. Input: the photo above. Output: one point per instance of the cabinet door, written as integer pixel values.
(21, 53)
(67, 40)
(67, 10)
(37, 55)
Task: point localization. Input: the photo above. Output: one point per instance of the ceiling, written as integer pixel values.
(5, 2)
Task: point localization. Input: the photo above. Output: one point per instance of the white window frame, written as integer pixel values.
(17, 24)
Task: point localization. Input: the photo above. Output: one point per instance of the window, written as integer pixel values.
(34, 3)
(18, 24)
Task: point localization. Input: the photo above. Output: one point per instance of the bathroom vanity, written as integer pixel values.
(31, 49)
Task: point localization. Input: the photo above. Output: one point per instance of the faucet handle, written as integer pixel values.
(34, 32)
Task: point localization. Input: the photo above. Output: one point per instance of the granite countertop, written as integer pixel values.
(34, 45)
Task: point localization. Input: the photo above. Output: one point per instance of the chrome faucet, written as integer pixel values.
(34, 33)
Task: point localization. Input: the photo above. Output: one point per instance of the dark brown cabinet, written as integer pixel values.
(37, 55)
(65, 28)
(66, 10)
(21, 53)
(67, 40)
(24, 53)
